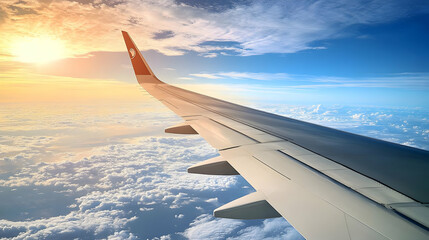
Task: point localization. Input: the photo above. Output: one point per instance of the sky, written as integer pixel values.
(353, 52)
(85, 143)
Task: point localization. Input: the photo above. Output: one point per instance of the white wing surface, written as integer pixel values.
(327, 183)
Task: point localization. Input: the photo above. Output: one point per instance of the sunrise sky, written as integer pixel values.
(369, 52)
(86, 144)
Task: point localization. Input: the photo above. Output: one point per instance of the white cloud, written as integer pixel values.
(381, 123)
(73, 224)
(270, 229)
(204, 75)
(357, 116)
(118, 183)
(207, 227)
(122, 235)
(118, 177)
(213, 201)
(316, 108)
(164, 237)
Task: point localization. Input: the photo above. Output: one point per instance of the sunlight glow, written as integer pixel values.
(38, 50)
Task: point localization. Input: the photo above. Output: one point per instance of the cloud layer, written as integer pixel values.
(122, 187)
(122, 176)
(130, 186)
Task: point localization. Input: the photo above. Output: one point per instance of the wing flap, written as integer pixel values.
(181, 128)
(251, 206)
(213, 166)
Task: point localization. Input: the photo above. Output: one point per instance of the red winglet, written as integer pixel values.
(139, 64)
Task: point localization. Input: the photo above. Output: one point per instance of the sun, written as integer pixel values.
(38, 50)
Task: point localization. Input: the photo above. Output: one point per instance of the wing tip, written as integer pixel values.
(141, 69)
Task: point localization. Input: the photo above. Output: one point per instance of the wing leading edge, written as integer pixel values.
(366, 188)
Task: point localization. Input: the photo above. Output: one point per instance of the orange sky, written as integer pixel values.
(26, 87)
(34, 34)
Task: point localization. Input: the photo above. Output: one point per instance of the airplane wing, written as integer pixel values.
(327, 183)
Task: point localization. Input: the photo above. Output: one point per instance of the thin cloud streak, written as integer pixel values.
(409, 80)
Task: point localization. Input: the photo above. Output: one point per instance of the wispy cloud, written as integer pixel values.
(258, 27)
(185, 78)
(205, 75)
(243, 75)
(403, 80)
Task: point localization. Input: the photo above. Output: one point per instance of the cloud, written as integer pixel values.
(384, 123)
(163, 34)
(122, 235)
(79, 131)
(115, 187)
(119, 177)
(207, 227)
(213, 201)
(204, 75)
(21, 11)
(270, 229)
(174, 28)
(122, 184)
(357, 115)
(243, 75)
(407, 81)
(3, 16)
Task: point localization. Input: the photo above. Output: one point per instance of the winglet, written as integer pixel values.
(142, 70)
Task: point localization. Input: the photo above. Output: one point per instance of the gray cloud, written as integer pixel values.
(3, 17)
(163, 34)
(19, 11)
(214, 5)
